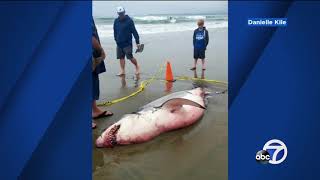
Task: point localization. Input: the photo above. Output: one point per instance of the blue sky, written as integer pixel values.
(108, 8)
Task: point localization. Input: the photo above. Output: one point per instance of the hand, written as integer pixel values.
(138, 46)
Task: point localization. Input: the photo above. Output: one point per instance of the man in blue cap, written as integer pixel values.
(123, 29)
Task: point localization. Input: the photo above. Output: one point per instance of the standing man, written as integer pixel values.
(123, 29)
(200, 43)
(98, 54)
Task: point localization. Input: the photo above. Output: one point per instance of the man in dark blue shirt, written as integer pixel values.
(200, 43)
(123, 29)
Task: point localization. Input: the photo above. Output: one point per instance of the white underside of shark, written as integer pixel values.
(170, 112)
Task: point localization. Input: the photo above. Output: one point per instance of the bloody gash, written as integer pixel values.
(170, 112)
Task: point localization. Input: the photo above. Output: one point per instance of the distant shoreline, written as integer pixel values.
(164, 18)
(142, 35)
(181, 14)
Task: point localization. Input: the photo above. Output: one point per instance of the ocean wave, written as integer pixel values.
(151, 18)
(165, 19)
(195, 17)
(106, 30)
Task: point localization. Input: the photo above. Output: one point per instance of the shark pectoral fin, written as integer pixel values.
(176, 103)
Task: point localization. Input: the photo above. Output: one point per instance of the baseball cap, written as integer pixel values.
(120, 9)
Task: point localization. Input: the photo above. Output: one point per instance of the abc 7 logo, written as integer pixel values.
(278, 148)
(263, 157)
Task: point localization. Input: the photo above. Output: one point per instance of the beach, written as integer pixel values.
(175, 47)
(199, 151)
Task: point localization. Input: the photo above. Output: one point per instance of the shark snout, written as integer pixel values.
(100, 142)
(108, 138)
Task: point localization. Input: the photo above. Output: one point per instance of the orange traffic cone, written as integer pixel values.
(169, 75)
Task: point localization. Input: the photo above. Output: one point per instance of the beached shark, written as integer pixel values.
(174, 111)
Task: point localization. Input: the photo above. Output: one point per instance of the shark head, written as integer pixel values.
(108, 138)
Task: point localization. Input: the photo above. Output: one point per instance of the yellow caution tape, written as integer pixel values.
(142, 86)
(145, 83)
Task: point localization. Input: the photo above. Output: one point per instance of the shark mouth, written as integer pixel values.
(111, 137)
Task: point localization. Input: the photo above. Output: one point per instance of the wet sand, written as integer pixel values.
(196, 152)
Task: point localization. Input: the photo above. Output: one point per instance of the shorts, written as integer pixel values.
(199, 53)
(95, 86)
(127, 51)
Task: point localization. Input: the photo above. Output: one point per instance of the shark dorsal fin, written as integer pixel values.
(175, 103)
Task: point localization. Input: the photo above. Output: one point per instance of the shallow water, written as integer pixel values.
(199, 151)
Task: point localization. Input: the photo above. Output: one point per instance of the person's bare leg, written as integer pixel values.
(123, 81)
(203, 64)
(122, 66)
(96, 111)
(195, 74)
(194, 64)
(135, 63)
(202, 74)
